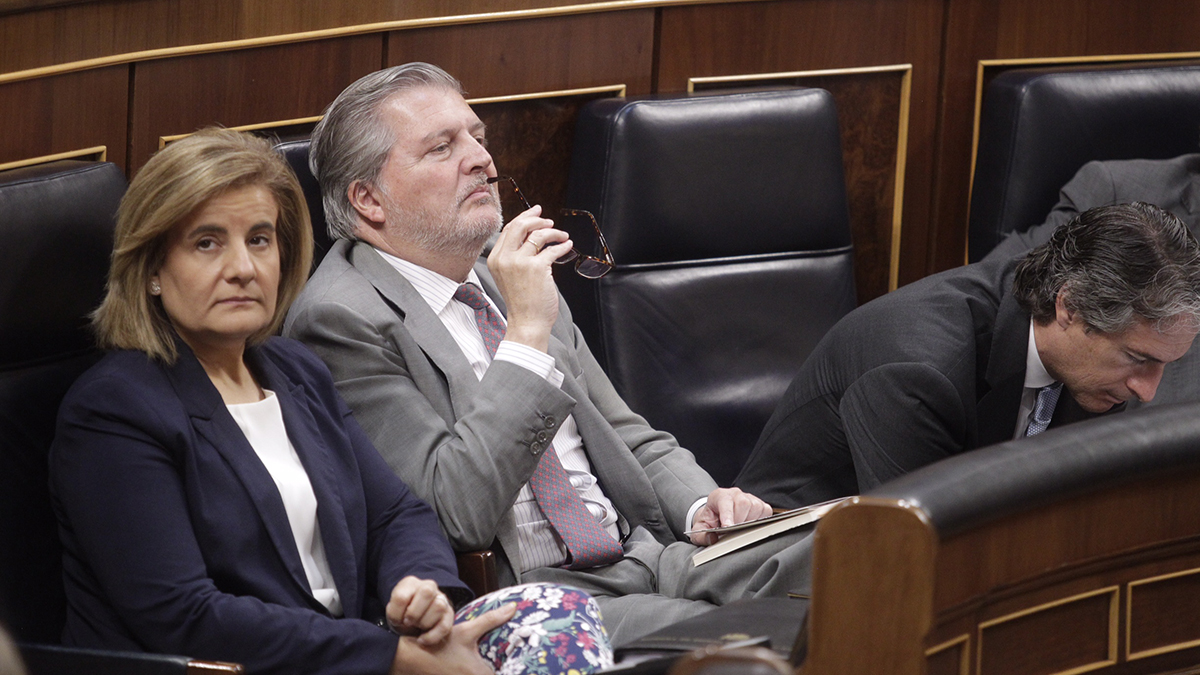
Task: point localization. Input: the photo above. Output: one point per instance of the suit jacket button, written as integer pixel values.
(550, 421)
(542, 436)
(535, 447)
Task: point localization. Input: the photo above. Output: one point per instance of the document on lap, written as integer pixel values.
(734, 537)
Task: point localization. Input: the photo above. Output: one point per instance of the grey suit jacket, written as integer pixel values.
(468, 445)
(1173, 185)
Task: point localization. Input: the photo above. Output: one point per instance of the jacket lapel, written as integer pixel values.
(1005, 375)
(303, 433)
(422, 324)
(214, 424)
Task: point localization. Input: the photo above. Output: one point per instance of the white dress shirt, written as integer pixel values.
(540, 544)
(1036, 378)
(262, 423)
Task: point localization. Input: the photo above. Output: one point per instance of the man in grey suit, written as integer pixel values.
(985, 353)
(1172, 184)
(466, 418)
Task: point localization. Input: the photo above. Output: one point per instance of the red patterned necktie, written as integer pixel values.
(588, 544)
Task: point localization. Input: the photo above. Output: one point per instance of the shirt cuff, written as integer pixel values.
(691, 516)
(538, 362)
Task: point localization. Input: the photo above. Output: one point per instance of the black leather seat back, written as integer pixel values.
(1038, 126)
(57, 224)
(296, 153)
(727, 217)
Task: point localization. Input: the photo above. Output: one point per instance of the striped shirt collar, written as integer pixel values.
(437, 290)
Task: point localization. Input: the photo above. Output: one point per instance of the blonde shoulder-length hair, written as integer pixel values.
(176, 182)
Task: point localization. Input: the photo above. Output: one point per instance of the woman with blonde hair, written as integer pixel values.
(215, 496)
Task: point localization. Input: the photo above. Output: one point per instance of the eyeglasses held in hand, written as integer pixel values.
(586, 266)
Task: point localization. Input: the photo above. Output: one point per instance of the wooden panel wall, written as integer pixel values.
(146, 68)
(240, 88)
(1004, 29)
(66, 113)
(743, 38)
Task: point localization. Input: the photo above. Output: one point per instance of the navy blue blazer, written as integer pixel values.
(175, 537)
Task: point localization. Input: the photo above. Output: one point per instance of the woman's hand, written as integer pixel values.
(418, 608)
(458, 654)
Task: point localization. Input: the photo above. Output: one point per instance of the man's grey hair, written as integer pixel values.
(351, 143)
(1116, 265)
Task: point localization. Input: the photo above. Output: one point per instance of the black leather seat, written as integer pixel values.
(1038, 126)
(57, 222)
(295, 151)
(727, 217)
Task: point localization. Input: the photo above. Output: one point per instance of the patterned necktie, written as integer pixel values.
(1043, 410)
(588, 544)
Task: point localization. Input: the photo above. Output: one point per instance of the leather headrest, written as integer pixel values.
(58, 222)
(1038, 127)
(704, 176)
(296, 153)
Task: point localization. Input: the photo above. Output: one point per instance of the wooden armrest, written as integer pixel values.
(477, 569)
(41, 659)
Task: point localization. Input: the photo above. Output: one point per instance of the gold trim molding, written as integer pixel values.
(1130, 655)
(964, 661)
(901, 139)
(1114, 593)
(346, 31)
(1104, 59)
(98, 153)
(616, 89)
(164, 140)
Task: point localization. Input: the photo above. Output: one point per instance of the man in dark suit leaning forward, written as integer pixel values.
(478, 390)
(1171, 184)
(985, 353)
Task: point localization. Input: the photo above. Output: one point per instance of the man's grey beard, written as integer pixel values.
(446, 233)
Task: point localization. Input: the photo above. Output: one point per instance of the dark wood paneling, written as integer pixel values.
(59, 34)
(870, 105)
(765, 37)
(1161, 616)
(531, 141)
(1074, 634)
(181, 95)
(948, 661)
(65, 113)
(1005, 29)
(517, 57)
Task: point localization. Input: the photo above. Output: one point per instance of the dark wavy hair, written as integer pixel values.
(1115, 265)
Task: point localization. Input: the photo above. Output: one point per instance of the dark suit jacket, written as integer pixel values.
(175, 536)
(930, 370)
(1171, 184)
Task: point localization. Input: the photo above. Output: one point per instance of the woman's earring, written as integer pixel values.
(155, 289)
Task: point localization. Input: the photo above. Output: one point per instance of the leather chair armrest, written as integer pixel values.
(43, 659)
(478, 570)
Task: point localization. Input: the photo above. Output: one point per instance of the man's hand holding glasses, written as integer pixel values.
(590, 267)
